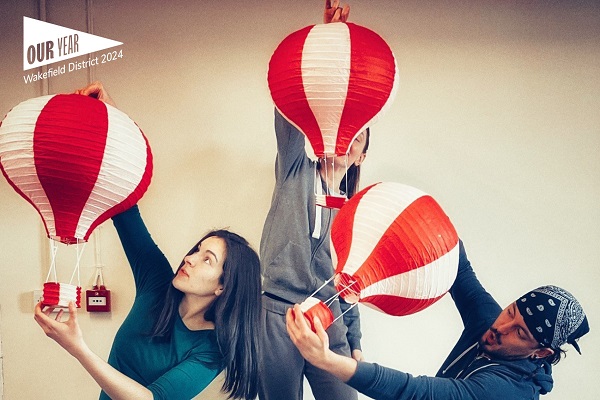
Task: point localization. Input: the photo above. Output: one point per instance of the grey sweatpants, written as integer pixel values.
(282, 367)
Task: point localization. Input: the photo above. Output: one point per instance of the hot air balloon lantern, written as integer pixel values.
(78, 162)
(393, 249)
(332, 81)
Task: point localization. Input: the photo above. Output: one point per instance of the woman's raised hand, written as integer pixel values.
(96, 90)
(335, 13)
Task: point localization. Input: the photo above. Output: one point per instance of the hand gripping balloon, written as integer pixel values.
(79, 162)
(332, 81)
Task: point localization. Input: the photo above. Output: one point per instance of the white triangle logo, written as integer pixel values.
(45, 43)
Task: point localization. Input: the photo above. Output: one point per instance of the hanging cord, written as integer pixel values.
(99, 279)
(335, 297)
(345, 177)
(349, 308)
(349, 288)
(76, 270)
(318, 188)
(335, 191)
(338, 294)
(321, 287)
(346, 288)
(53, 250)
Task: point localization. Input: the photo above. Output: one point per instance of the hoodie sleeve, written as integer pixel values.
(473, 302)
(290, 147)
(493, 383)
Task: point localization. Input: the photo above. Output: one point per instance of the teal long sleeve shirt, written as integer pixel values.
(176, 369)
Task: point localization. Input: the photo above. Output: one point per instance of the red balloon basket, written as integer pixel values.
(60, 294)
(330, 201)
(313, 307)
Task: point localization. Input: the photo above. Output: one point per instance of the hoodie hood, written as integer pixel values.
(525, 372)
(539, 372)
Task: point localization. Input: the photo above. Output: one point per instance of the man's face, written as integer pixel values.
(509, 338)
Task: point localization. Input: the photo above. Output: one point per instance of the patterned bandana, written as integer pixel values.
(553, 316)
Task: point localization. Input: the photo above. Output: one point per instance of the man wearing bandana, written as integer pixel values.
(501, 353)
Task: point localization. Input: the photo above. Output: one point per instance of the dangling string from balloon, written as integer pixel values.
(53, 250)
(333, 197)
(79, 254)
(60, 294)
(99, 278)
(53, 253)
(313, 307)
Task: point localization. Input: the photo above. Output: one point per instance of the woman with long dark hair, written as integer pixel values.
(184, 328)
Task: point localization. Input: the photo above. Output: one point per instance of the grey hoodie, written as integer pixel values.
(294, 263)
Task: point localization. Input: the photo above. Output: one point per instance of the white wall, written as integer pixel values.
(1, 359)
(496, 117)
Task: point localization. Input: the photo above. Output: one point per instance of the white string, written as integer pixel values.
(53, 250)
(347, 288)
(331, 299)
(99, 277)
(318, 209)
(346, 176)
(99, 280)
(338, 294)
(342, 314)
(322, 286)
(326, 177)
(76, 270)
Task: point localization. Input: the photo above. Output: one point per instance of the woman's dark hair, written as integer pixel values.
(235, 313)
(350, 182)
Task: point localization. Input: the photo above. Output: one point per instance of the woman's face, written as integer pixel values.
(356, 153)
(202, 270)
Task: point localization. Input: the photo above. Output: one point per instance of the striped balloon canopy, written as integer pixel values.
(77, 160)
(394, 249)
(332, 81)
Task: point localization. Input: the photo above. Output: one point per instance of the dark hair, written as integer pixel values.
(350, 181)
(555, 357)
(235, 313)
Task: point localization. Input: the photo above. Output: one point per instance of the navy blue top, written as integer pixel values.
(467, 374)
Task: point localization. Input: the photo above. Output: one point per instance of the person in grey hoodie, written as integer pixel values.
(296, 259)
(501, 354)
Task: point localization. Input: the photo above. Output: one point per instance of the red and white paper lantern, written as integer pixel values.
(394, 249)
(77, 160)
(332, 81)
